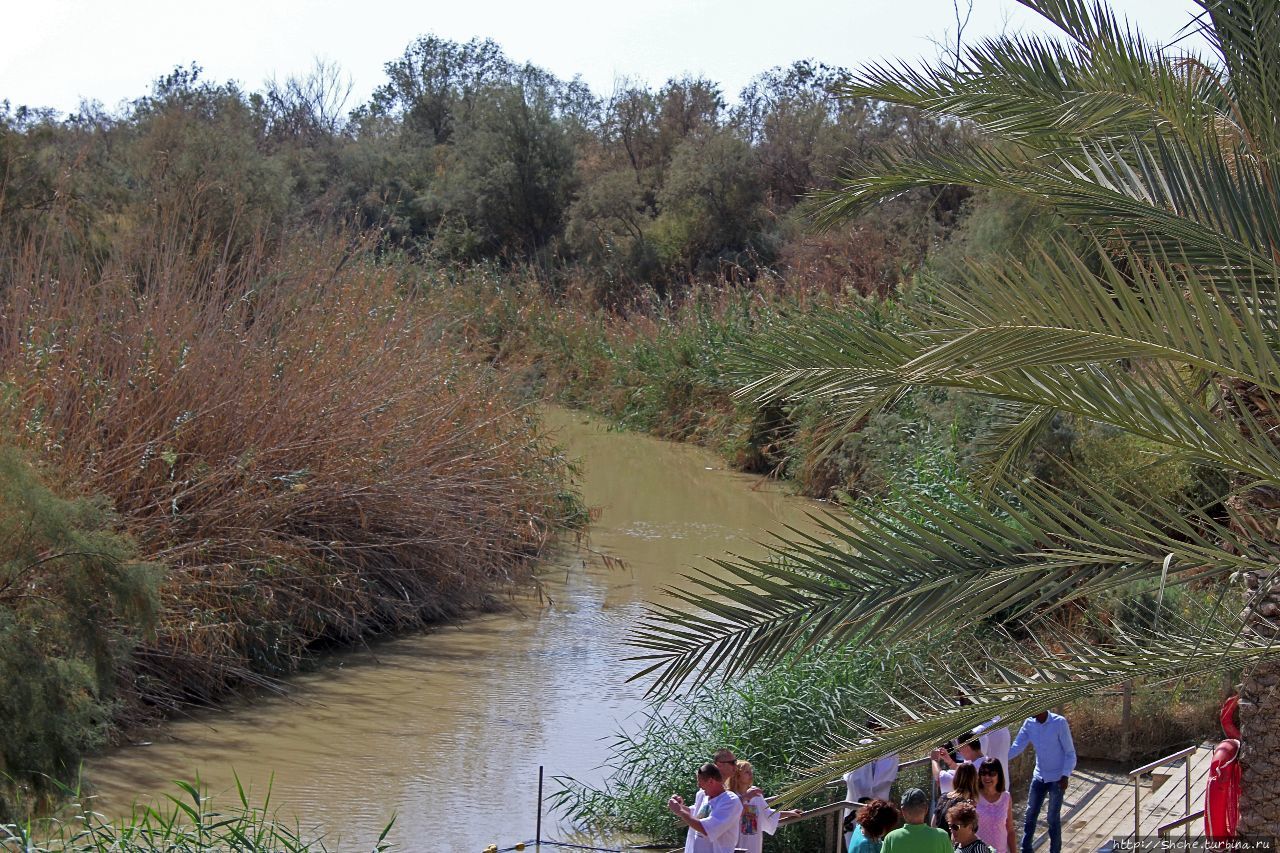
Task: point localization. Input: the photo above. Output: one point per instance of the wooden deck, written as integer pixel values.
(1097, 808)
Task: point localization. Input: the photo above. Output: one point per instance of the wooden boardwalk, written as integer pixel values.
(1098, 808)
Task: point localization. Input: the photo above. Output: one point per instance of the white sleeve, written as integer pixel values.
(886, 771)
(768, 817)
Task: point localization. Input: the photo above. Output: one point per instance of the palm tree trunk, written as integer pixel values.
(1259, 509)
(1260, 717)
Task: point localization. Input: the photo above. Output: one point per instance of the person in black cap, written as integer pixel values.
(914, 836)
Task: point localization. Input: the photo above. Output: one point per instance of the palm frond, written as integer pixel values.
(855, 369)
(1015, 430)
(890, 572)
(1246, 35)
(1020, 683)
(1155, 302)
(1106, 83)
(1146, 193)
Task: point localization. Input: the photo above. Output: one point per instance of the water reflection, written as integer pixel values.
(447, 730)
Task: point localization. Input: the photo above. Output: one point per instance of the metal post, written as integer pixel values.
(1137, 806)
(1126, 721)
(1186, 828)
(537, 833)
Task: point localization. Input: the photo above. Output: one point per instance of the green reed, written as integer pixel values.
(189, 823)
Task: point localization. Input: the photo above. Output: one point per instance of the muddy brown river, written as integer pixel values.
(446, 730)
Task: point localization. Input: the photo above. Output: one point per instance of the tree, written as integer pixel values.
(509, 175)
(309, 110)
(435, 83)
(74, 600)
(711, 202)
(1158, 317)
(789, 116)
(191, 160)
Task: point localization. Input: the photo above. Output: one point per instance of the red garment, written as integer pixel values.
(1222, 792)
(1228, 717)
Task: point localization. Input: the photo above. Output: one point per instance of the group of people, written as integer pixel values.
(880, 826)
(729, 812)
(974, 813)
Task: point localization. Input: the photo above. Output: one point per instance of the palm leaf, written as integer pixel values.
(1246, 35)
(1043, 93)
(891, 572)
(1022, 683)
(856, 368)
(1014, 432)
(1148, 193)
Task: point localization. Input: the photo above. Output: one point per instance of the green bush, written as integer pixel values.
(1136, 467)
(73, 599)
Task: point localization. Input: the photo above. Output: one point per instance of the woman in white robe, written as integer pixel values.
(757, 817)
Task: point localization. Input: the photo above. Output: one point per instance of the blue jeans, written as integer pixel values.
(1035, 799)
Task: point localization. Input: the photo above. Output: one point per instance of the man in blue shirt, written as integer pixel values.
(1055, 759)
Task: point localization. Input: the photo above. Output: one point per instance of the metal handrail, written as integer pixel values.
(834, 830)
(1136, 773)
(1174, 757)
(1165, 828)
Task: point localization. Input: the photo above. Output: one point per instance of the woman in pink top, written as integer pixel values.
(995, 807)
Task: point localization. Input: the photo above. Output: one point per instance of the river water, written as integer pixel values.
(446, 730)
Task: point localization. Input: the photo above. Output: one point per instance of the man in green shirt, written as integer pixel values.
(914, 836)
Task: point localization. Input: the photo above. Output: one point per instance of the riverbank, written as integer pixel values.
(670, 367)
(458, 720)
(667, 369)
(208, 479)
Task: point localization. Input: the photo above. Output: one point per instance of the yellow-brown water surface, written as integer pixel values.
(446, 730)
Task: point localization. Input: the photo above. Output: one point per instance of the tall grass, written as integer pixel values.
(664, 366)
(775, 719)
(286, 436)
(654, 365)
(191, 823)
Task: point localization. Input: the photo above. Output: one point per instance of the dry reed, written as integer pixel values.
(286, 435)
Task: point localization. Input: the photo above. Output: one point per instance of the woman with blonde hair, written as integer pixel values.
(757, 818)
(964, 789)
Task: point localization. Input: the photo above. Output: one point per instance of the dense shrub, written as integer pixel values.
(73, 601)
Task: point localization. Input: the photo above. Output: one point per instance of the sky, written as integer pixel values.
(59, 52)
